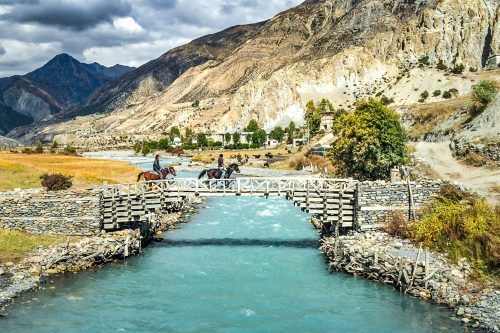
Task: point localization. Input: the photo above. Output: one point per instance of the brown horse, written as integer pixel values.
(153, 175)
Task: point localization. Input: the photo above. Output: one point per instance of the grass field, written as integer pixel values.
(24, 170)
(14, 245)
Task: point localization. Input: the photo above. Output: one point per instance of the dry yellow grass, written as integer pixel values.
(14, 245)
(23, 170)
(430, 115)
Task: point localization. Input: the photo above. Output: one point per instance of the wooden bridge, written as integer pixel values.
(333, 201)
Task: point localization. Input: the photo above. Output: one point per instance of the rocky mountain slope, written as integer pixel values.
(343, 50)
(60, 83)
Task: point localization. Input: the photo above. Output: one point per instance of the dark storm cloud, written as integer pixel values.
(68, 14)
(130, 32)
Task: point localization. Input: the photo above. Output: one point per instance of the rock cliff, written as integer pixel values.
(343, 50)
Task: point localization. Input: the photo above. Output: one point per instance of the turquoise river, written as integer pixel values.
(239, 265)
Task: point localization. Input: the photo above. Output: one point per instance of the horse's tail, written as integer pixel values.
(139, 176)
(202, 174)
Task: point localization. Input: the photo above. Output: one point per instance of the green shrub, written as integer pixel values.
(371, 140)
(137, 148)
(463, 225)
(424, 61)
(145, 149)
(195, 104)
(458, 69)
(386, 100)
(441, 66)
(436, 93)
(446, 94)
(56, 182)
(484, 92)
(472, 69)
(38, 147)
(69, 150)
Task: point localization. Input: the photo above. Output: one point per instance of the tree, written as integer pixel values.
(290, 132)
(371, 141)
(38, 147)
(188, 136)
(236, 138)
(259, 137)
(277, 134)
(54, 145)
(174, 133)
(163, 144)
(145, 149)
(253, 126)
(137, 147)
(313, 116)
(202, 140)
(227, 138)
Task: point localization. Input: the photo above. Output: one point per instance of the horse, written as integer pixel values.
(217, 173)
(153, 175)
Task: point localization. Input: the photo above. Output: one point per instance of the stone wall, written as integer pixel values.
(490, 151)
(377, 200)
(57, 213)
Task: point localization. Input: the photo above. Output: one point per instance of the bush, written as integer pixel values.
(458, 69)
(424, 61)
(38, 147)
(386, 100)
(195, 104)
(398, 226)
(56, 182)
(436, 93)
(472, 69)
(145, 149)
(484, 92)
(441, 66)
(463, 225)
(446, 94)
(69, 150)
(371, 141)
(137, 148)
(27, 151)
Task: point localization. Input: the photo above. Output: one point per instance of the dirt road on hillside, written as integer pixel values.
(438, 156)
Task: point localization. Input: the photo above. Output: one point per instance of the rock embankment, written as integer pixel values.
(86, 252)
(383, 258)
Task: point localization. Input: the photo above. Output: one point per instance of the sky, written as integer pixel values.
(128, 32)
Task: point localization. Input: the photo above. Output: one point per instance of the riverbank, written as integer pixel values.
(34, 271)
(428, 275)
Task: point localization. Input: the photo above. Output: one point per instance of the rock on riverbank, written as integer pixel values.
(383, 258)
(95, 251)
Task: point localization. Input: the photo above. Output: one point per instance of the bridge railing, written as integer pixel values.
(252, 185)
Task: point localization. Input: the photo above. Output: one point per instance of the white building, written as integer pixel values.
(271, 143)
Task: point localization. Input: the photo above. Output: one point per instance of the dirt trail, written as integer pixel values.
(438, 156)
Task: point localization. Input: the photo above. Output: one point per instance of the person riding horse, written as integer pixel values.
(217, 173)
(221, 166)
(157, 167)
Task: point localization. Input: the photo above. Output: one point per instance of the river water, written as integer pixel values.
(240, 265)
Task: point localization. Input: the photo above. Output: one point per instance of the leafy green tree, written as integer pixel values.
(174, 133)
(54, 145)
(371, 141)
(202, 140)
(188, 136)
(253, 126)
(290, 132)
(236, 138)
(227, 138)
(163, 144)
(38, 147)
(277, 134)
(145, 149)
(313, 116)
(259, 137)
(137, 147)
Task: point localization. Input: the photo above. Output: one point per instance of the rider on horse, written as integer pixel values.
(157, 167)
(220, 165)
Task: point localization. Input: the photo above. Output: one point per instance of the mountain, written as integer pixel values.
(343, 50)
(57, 85)
(10, 119)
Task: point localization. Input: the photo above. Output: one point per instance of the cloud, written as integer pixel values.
(129, 32)
(68, 14)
